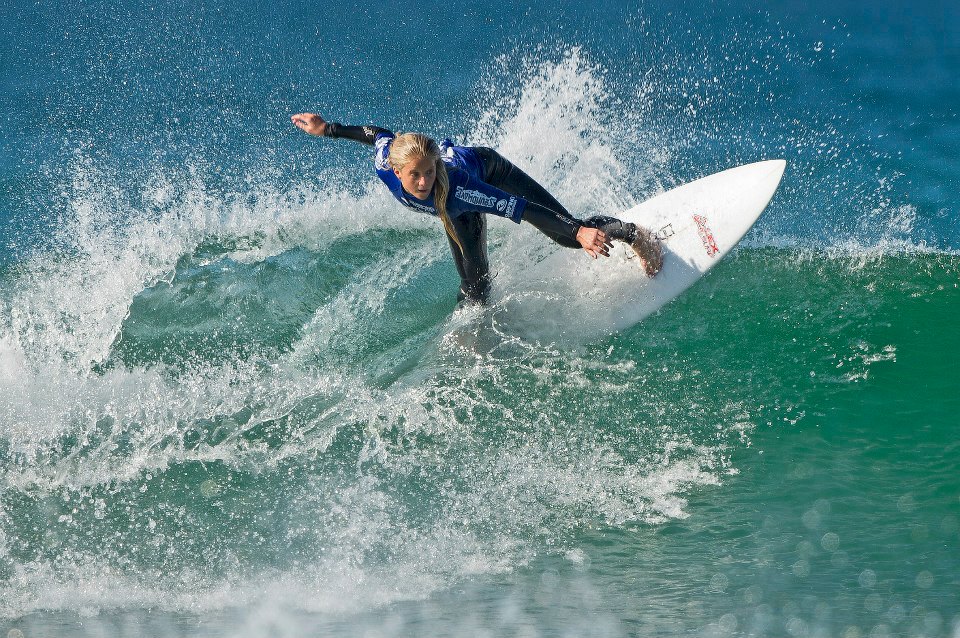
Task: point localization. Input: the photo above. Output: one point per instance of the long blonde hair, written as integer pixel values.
(408, 146)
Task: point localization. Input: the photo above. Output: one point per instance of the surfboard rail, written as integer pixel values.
(698, 224)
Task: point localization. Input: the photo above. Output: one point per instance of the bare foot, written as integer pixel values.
(648, 249)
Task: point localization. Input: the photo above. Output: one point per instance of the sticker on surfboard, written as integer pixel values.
(706, 235)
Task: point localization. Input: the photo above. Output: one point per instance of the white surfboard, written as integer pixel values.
(698, 223)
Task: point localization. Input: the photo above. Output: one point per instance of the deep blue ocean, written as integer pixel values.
(237, 399)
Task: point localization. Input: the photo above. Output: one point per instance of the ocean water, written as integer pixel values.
(236, 398)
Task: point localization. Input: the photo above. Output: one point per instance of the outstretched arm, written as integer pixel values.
(567, 231)
(315, 125)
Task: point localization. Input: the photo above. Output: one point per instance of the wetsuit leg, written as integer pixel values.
(472, 262)
(501, 173)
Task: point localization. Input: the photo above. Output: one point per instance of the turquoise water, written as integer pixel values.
(236, 398)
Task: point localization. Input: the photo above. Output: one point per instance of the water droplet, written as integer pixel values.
(924, 580)
(728, 623)
(718, 583)
(897, 614)
(868, 578)
(949, 525)
(14, 633)
(906, 503)
(818, 47)
(579, 559)
(840, 559)
(830, 542)
(811, 519)
(209, 488)
(933, 622)
(51, 539)
(549, 579)
(822, 611)
(796, 627)
(805, 549)
(753, 594)
(873, 603)
(801, 569)
(919, 533)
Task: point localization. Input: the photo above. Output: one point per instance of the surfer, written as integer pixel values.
(455, 183)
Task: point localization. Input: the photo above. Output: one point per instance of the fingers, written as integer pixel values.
(602, 245)
(309, 122)
(594, 241)
(597, 250)
(299, 120)
(597, 245)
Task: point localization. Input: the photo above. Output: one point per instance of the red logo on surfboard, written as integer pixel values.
(706, 236)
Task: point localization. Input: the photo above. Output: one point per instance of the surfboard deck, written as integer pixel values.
(698, 224)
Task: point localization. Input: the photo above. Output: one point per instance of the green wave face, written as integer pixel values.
(318, 416)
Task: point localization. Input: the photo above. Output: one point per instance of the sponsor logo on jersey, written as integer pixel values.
(475, 197)
(383, 150)
(706, 236)
(430, 210)
(511, 206)
(502, 205)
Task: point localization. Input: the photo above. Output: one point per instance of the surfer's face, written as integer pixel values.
(418, 176)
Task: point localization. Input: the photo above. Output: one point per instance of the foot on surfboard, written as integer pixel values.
(643, 242)
(648, 249)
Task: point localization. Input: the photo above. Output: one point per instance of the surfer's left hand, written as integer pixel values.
(310, 123)
(594, 241)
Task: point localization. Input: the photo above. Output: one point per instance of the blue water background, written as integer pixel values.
(860, 98)
(233, 401)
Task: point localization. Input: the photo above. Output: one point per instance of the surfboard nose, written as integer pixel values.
(777, 167)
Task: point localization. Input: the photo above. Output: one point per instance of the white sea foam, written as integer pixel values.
(488, 426)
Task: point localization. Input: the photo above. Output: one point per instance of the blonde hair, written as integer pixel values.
(408, 146)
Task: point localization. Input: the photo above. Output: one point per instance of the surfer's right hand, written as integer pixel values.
(310, 123)
(594, 241)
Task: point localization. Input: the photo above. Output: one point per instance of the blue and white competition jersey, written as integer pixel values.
(468, 192)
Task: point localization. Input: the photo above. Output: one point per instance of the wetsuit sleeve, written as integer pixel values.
(468, 194)
(552, 223)
(364, 134)
(382, 140)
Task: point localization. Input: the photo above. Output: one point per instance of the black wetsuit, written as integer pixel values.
(538, 207)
